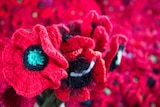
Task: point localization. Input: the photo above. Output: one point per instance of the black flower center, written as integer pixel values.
(79, 73)
(86, 103)
(151, 82)
(34, 58)
(94, 25)
(156, 71)
(117, 59)
(65, 34)
(116, 83)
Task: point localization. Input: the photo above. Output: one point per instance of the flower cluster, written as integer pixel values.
(136, 82)
(80, 58)
(72, 59)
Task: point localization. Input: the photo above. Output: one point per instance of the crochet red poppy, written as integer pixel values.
(86, 77)
(8, 96)
(117, 43)
(31, 62)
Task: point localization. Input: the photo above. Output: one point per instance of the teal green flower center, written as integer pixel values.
(35, 57)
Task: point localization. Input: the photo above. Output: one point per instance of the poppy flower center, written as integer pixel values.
(86, 103)
(151, 82)
(79, 72)
(34, 58)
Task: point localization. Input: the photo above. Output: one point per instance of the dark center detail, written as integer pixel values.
(94, 25)
(65, 34)
(151, 82)
(74, 28)
(126, 2)
(86, 103)
(155, 71)
(34, 58)
(81, 78)
(116, 83)
(116, 60)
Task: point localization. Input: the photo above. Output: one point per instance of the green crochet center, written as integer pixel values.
(35, 58)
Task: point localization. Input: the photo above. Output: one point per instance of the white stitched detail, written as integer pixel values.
(119, 57)
(74, 74)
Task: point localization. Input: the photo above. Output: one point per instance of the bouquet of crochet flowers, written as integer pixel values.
(62, 62)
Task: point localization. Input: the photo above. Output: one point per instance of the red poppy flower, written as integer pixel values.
(31, 63)
(86, 77)
(117, 42)
(8, 97)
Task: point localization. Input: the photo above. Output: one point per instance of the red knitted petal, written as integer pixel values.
(86, 26)
(94, 18)
(63, 93)
(33, 78)
(49, 49)
(72, 55)
(67, 94)
(105, 21)
(3, 42)
(25, 82)
(77, 42)
(55, 36)
(11, 55)
(22, 38)
(79, 95)
(54, 73)
(101, 38)
(90, 55)
(114, 45)
(99, 70)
